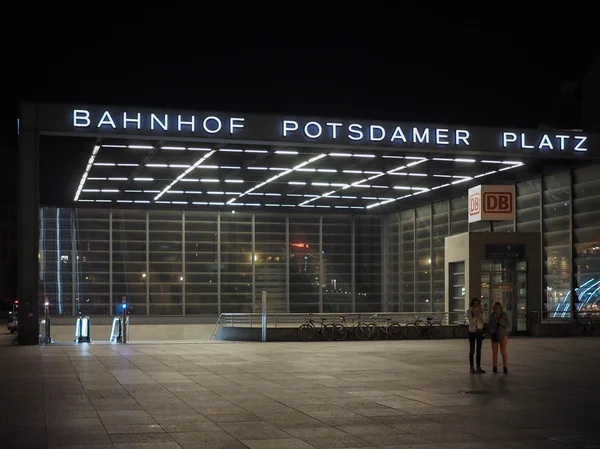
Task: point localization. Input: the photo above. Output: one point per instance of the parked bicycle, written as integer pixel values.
(584, 325)
(433, 328)
(310, 329)
(358, 329)
(462, 330)
(392, 329)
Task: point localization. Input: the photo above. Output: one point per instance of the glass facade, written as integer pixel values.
(169, 262)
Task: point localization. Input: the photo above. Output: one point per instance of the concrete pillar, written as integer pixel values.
(28, 230)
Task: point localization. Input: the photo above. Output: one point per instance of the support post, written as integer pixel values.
(264, 317)
(28, 223)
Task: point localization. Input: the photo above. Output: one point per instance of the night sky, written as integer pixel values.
(498, 65)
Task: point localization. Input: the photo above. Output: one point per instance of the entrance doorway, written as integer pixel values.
(505, 281)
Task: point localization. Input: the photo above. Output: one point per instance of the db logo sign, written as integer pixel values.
(474, 204)
(497, 202)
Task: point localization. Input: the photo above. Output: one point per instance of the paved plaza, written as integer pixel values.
(378, 394)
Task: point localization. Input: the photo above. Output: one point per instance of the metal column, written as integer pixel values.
(183, 281)
(353, 268)
(28, 228)
(253, 263)
(431, 258)
(399, 263)
(287, 263)
(219, 262)
(543, 266)
(572, 262)
(321, 264)
(74, 282)
(110, 262)
(415, 289)
(384, 257)
(147, 263)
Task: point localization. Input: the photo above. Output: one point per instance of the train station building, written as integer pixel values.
(191, 214)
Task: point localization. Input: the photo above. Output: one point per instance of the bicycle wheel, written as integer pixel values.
(411, 331)
(373, 331)
(361, 332)
(395, 331)
(306, 332)
(327, 331)
(339, 332)
(435, 331)
(461, 331)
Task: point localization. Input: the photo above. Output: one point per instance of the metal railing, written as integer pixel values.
(275, 320)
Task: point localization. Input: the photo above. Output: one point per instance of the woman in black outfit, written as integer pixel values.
(476, 323)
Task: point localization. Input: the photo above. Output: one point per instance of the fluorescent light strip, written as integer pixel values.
(278, 169)
(256, 151)
(90, 190)
(326, 170)
(197, 192)
(393, 157)
(184, 174)
(442, 176)
(233, 193)
(179, 165)
(141, 201)
(198, 149)
(235, 181)
(512, 162)
(215, 193)
(272, 194)
(231, 150)
(163, 202)
(492, 162)
(352, 171)
(297, 183)
(85, 201)
(230, 167)
(445, 159)
(464, 160)
(311, 170)
(157, 165)
(124, 201)
(340, 154)
(179, 202)
(117, 179)
(273, 178)
(133, 191)
(293, 194)
(103, 201)
(151, 191)
(86, 172)
(173, 148)
(128, 165)
(141, 147)
(190, 180)
(175, 191)
(209, 180)
(113, 146)
(257, 168)
(143, 179)
(97, 179)
(285, 152)
(105, 164)
(326, 184)
(416, 157)
(417, 174)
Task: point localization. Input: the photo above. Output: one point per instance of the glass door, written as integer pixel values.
(505, 281)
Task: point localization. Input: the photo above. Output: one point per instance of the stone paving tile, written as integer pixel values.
(368, 394)
(287, 443)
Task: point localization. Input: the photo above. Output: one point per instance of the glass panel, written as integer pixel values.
(270, 262)
(440, 231)
(457, 305)
(304, 263)
(557, 252)
(368, 273)
(393, 262)
(459, 216)
(586, 230)
(337, 264)
(407, 236)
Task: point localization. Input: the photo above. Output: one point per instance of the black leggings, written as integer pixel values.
(475, 337)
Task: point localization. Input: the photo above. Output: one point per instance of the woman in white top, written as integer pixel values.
(476, 319)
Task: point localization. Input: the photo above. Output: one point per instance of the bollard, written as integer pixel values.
(82, 330)
(47, 336)
(124, 323)
(264, 316)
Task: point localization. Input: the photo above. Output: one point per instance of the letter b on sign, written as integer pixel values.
(474, 204)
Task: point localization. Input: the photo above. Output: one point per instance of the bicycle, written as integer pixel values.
(308, 331)
(584, 325)
(435, 328)
(358, 328)
(392, 330)
(462, 330)
(413, 329)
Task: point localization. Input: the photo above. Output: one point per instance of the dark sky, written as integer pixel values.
(497, 65)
